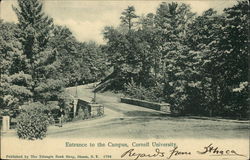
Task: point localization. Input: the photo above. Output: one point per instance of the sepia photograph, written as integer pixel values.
(114, 76)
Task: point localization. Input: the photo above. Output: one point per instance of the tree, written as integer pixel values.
(221, 42)
(64, 47)
(127, 17)
(234, 46)
(201, 60)
(152, 37)
(203, 38)
(147, 22)
(35, 33)
(94, 60)
(34, 25)
(15, 84)
(172, 20)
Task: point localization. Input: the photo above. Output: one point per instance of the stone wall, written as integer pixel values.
(89, 109)
(96, 109)
(165, 107)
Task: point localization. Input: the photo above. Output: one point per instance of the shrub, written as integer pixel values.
(154, 94)
(32, 123)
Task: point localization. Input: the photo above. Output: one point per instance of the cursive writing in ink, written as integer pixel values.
(132, 153)
(175, 152)
(210, 149)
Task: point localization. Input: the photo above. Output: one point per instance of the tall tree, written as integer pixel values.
(35, 32)
(203, 38)
(34, 25)
(128, 16)
(153, 36)
(234, 46)
(221, 41)
(172, 20)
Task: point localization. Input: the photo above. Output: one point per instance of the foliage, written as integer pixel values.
(127, 17)
(201, 60)
(76, 62)
(35, 27)
(32, 123)
(154, 94)
(39, 59)
(235, 48)
(35, 31)
(15, 84)
(198, 64)
(131, 57)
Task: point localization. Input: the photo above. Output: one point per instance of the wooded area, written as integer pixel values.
(198, 64)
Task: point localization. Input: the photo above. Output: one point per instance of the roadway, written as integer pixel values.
(129, 121)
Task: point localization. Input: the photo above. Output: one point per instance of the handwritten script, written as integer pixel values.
(208, 150)
(156, 154)
(216, 151)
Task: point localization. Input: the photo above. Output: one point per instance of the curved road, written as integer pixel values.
(129, 121)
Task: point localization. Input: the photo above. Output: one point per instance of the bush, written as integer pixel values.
(32, 123)
(154, 94)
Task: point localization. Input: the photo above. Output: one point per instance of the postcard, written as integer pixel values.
(124, 80)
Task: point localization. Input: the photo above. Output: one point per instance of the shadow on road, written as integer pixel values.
(144, 113)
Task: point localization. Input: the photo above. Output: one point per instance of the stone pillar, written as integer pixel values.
(75, 106)
(6, 123)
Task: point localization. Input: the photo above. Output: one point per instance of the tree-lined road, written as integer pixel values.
(129, 121)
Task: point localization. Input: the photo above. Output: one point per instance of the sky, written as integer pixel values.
(87, 19)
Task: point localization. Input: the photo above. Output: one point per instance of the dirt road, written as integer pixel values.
(129, 121)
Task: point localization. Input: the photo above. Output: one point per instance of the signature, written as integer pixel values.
(157, 153)
(215, 151)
